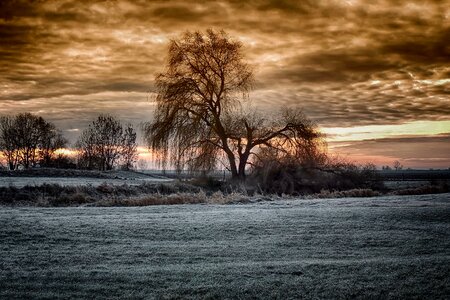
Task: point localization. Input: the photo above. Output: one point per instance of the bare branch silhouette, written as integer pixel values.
(200, 116)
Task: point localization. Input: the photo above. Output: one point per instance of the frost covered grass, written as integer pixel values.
(383, 247)
(20, 182)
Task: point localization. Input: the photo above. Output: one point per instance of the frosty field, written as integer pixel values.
(385, 247)
(68, 181)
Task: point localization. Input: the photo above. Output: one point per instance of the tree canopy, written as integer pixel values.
(201, 119)
(26, 140)
(106, 143)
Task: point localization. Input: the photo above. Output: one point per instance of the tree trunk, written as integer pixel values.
(233, 169)
(241, 169)
(231, 159)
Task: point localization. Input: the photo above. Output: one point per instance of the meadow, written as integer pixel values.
(380, 247)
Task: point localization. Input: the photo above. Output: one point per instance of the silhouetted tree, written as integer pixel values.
(86, 145)
(50, 140)
(397, 165)
(200, 116)
(104, 143)
(8, 142)
(28, 130)
(129, 147)
(26, 139)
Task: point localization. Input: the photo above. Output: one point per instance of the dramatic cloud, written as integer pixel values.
(346, 62)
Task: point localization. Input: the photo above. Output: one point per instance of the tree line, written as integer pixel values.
(27, 141)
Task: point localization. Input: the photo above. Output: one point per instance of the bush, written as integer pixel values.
(70, 199)
(57, 195)
(207, 182)
(436, 188)
(293, 178)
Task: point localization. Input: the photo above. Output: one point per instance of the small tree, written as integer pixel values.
(28, 129)
(26, 139)
(8, 142)
(129, 147)
(397, 165)
(51, 140)
(88, 158)
(105, 143)
(199, 118)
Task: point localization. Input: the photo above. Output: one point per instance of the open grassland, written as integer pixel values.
(383, 247)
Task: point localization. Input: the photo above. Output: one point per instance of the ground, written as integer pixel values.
(382, 247)
(37, 177)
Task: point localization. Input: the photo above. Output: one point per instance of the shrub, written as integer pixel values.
(293, 178)
(69, 199)
(442, 187)
(106, 188)
(346, 193)
(207, 182)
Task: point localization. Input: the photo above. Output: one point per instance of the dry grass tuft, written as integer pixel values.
(156, 199)
(346, 194)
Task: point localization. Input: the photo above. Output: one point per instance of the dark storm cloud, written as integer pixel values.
(345, 62)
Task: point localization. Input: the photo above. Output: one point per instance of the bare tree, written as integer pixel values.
(51, 140)
(27, 139)
(129, 147)
(109, 140)
(28, 130)
(87, 156)
(8, 142)
(104, 143)
(397, 165)
(200, 116)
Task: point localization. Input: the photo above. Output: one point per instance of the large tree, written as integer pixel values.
(200, 116)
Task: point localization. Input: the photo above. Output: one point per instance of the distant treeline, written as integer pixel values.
(411, 175)
(27, 141)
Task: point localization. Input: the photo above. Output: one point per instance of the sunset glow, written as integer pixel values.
(358, 133)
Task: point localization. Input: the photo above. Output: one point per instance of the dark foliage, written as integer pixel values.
(290, 176)
(57, 195)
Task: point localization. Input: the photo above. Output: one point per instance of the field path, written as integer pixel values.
(386, 247)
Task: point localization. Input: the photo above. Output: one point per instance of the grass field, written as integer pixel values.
(383, 247)
(128, 178)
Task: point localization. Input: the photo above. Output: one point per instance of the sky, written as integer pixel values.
(374, 75)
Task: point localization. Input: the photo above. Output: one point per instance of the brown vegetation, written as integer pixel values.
(27, 140)
(309, 172)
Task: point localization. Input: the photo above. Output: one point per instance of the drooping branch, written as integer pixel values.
(199, 115)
